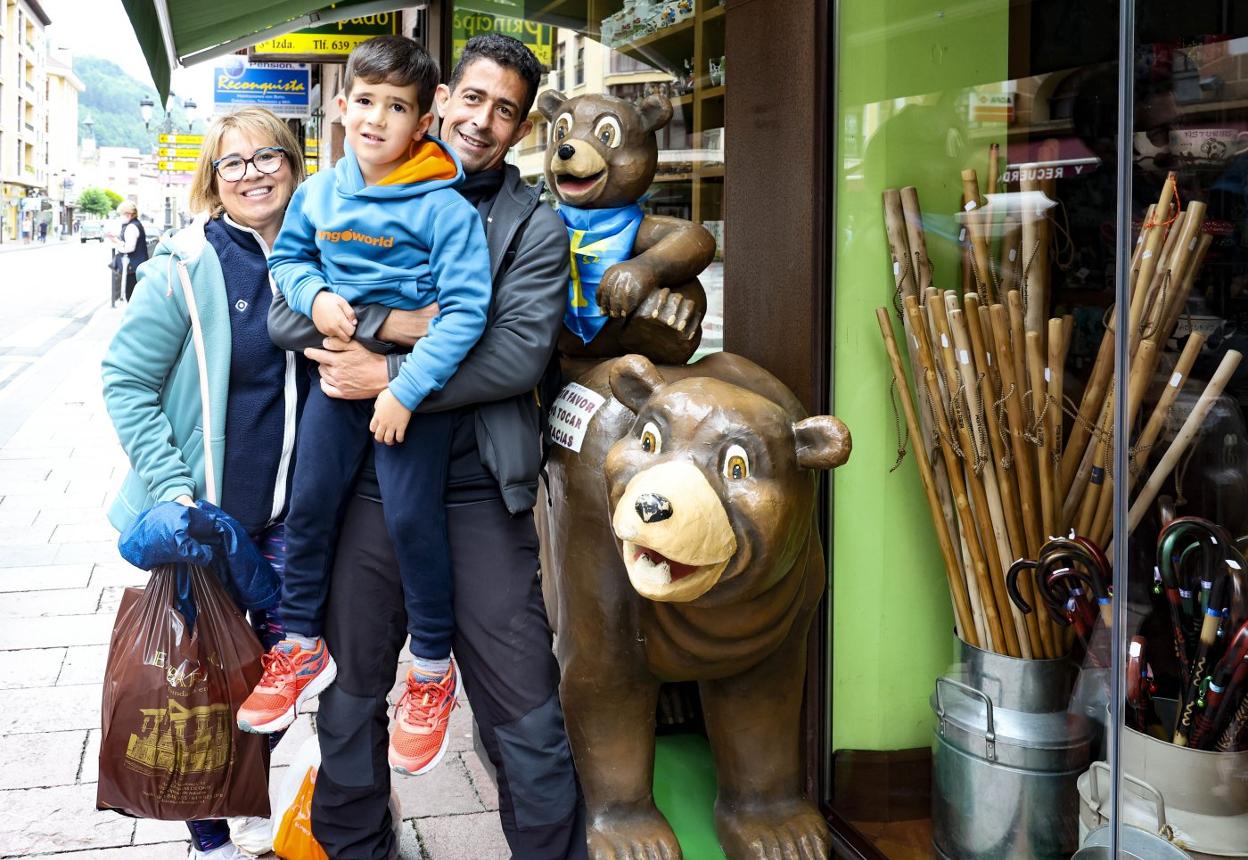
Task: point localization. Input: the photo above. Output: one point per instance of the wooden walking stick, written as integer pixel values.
(1011, 262)
(1091, 495)
(1055, 373)
(1186, 435)
(1148, 257)
(921, 264)
(898, 244)
(953, 468)
(977, 227)
(953, 568)
(1157, 419)
(1089, 408)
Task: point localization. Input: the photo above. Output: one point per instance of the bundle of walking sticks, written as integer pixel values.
(1000, 473)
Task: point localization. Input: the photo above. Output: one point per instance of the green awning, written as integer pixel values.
(175, 33)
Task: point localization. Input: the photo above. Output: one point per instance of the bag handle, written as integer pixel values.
(197, 337)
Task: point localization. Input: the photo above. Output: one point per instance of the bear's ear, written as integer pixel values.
(656, 112)
(548, 103)
(822, 442)
(633, 379)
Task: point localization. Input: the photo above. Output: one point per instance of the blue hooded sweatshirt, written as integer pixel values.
(405, 242)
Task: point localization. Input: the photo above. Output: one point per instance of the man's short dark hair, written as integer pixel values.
(510, 54)
(395, 60)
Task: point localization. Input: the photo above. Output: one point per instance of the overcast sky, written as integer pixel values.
(101, 28)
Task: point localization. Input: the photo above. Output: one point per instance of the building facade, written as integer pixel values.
(23, 117)
(61, 139)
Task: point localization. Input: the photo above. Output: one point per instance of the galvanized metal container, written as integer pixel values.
(1005, 759)
(1194, 798)
(1135, 844)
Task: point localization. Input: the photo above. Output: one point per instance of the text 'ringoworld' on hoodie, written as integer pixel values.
(406, 242)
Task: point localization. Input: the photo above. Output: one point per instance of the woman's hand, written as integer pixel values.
(333, 315)
(404, 328)
(390, 417)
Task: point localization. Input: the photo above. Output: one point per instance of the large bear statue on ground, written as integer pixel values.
(682, 545)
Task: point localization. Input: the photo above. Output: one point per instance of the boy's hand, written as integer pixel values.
(390, 419)
(333, 315)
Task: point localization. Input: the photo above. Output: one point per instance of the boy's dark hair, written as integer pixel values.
(395, 60)
(510, 54)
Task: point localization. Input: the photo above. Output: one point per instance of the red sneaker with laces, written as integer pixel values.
(291, 677)
(419, 738)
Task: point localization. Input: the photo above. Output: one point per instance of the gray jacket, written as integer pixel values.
(529, 261)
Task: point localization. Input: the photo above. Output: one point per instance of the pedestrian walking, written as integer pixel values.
(197, 392)
(43, 232)
(131, 247)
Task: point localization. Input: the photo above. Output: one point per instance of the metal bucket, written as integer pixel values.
(1005, 759)
(1135, 844)
(1194, 798)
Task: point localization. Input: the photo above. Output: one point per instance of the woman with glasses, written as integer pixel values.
(207, 291)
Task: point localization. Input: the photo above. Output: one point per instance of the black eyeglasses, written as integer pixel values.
(267, 159)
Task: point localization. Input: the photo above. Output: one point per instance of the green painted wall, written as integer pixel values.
(892, 621)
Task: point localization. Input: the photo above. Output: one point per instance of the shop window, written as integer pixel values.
(579, 79)
(1080, 531)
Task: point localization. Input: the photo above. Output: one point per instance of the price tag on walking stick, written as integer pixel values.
(570, 414)
(1176, 379)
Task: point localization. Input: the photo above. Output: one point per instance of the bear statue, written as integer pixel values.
(634, 286)
(681, 545)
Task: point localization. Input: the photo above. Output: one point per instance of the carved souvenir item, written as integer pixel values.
(682, 546)
(634, 286)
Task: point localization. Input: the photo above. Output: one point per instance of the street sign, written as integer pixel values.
(187, 139)
(175, 151)
(180, 164)
(283, 88)
(329, 43)
(475, 17)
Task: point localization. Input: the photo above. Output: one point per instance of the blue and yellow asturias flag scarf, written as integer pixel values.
(600, 238)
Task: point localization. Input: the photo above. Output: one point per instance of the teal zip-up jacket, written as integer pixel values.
(152, 382)
(406, 242)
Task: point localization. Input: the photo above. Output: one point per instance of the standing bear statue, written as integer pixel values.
(680, 539)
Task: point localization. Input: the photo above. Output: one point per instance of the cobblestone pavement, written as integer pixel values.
(60, 583)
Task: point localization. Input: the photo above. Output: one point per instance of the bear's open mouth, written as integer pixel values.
(658, 577)
(577, 184)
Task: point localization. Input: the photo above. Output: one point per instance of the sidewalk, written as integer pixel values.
(16, 245)
(60, 583)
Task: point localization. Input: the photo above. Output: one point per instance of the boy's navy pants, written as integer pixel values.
(333, 438)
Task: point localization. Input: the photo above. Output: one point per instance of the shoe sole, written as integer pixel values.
(437, 759)
(283, 720)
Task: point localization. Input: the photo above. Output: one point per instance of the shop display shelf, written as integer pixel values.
(712, 93)
(667, 47)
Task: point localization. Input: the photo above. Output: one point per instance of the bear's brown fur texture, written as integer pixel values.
(682, 545)
(603, 154)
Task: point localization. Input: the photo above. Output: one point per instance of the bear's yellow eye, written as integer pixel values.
(736, 464)
(608, 131)
(651, 441)
(563, 126)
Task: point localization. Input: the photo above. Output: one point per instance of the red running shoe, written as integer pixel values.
(419, 738)
(291, 677)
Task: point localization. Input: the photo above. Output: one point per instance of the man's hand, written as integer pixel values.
(349, 371)
(390, 419)
(184, 499)
(333, 315)
(404, 328)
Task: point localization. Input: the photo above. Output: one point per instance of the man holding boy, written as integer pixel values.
(502, 639)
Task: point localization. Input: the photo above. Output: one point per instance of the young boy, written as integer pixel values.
(385, 226)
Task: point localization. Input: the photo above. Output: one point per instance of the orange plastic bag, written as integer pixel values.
(294, 839)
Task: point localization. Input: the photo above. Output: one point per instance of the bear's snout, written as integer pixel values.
(653, 508)
(566, 151)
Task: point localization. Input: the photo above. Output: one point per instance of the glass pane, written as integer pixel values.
(975, 209)
(1184, 732)
(631, 49)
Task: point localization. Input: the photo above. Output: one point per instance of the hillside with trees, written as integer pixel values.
(111, 101)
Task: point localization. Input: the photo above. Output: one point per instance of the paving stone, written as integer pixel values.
(50, 709)
(95, 552)
(84, 664)
(445, 790)
(110, 600)
(44, 577)
(60, 601)
(32, 469)
(163, 851)
(13, 451)
(44, 820)
(114, 573)
(460, 727)
(27, 555)
(59, 514)
(91, 531)
(17, 517)
(34, 761)
(89, 768)
(482, 782)
(409, 842)
(90, 629)
(18, 535)
(464, 837)
(29, 487)
(149, 830)
(35, 668)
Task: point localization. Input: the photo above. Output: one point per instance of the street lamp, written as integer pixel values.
(145, 110)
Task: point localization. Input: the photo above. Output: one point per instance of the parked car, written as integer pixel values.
(91, 231)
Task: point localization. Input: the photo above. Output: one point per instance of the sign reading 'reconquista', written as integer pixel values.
(281, 87)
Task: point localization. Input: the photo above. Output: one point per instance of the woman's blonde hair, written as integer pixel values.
(126, 207)
(256, 123)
